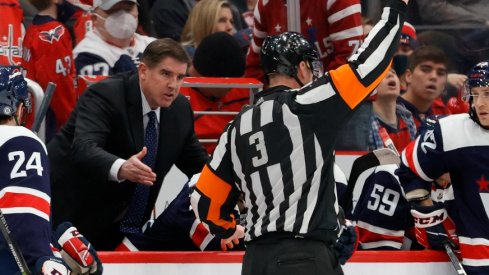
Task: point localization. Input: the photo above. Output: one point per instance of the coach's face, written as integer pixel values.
(161, 83)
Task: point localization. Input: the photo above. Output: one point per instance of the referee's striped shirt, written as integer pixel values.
(280, 152)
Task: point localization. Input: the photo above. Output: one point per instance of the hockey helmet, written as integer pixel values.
(282, 53)
(13, 91)
(478, 76)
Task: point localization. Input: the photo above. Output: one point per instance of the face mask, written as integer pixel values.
(121, 24)
(399, 63)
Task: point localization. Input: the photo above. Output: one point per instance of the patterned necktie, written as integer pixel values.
(134, 217)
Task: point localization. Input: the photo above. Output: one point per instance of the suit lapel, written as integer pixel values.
(135, 111)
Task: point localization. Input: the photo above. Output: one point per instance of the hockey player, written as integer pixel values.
(457, 144)
(48, 57)
(279, 153)
(24, 182)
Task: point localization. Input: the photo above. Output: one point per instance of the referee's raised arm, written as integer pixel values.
(279, 153)
(369, 65)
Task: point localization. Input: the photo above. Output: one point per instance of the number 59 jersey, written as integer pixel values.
(24, 194)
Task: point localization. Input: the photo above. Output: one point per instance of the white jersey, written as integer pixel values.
(94, 56)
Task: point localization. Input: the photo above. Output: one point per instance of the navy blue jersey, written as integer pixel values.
(457, 145)
(94, 56)
(24, 195)
(382, 213)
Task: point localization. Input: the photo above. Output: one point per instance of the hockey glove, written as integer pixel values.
(77, 252)
(433, 226)
(51, 265)
(346, 244)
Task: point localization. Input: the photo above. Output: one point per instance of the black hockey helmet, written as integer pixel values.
(13, 91)
(478, 76)
(283, 52)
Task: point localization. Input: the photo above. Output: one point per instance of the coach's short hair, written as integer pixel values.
(162, 48)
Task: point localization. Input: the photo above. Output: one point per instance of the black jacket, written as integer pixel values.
(107, 124)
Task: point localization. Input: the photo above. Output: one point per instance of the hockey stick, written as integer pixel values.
(453, 258)
(13, 247)
(372, 159)
(41, 113)
(448, 248)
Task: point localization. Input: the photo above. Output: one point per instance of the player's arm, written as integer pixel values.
(366, 68)
(423, 161)
(346, 31)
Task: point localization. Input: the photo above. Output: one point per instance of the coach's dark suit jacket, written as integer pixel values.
(107, 124)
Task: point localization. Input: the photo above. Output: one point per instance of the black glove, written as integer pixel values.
(346, 244)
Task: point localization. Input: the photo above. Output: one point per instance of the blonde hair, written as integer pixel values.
(202, 20)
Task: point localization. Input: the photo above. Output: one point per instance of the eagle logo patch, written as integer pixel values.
(53, 34)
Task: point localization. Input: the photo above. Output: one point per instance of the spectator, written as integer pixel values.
(426, 78)
(453, 12)
(11, 32)
(122, 138)
(280, 154)
(396, 120)
(407, 44)
(335, 37)
(169, 17)
(28, 222)
(48, 57)
(218, 55)
(113, 46)
(245, 8)
(207, 17)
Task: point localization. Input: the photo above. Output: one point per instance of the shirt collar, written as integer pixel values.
(147, 109)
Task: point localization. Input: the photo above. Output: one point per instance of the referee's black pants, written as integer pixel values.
(290, 256)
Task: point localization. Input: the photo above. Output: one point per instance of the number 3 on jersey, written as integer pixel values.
(19, 169)
(258, 141)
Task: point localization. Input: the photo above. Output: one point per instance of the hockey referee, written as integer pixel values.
(279, 153)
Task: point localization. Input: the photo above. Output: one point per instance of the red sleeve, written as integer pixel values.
(345, 30)
(253, 66)
(50, 59)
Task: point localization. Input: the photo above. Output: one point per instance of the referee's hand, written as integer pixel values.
(234, 239)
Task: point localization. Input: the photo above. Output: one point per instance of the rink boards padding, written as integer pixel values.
(229, 263)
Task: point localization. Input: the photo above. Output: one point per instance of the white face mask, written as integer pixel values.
(121, 24)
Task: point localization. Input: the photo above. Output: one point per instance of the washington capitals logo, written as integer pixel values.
(53, 34)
